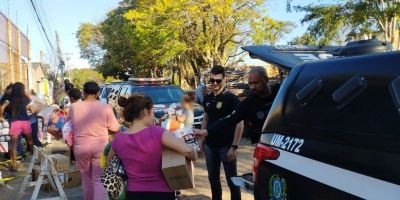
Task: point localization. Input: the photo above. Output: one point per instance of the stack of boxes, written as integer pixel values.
(60, 154)
(4, 137)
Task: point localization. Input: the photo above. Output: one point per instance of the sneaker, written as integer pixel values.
(40, 145)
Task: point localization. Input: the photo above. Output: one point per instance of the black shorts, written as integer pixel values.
(150, 195)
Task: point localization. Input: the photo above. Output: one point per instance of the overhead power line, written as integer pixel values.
(42, 26)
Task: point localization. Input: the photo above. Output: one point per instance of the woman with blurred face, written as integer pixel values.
(91, 120)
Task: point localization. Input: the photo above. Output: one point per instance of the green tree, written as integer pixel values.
(305, 39)
(363, 18)
(90, 40)
(80, 76)
(267, 30)
(180, 37)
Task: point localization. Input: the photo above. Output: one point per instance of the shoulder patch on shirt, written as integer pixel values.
(219, 105)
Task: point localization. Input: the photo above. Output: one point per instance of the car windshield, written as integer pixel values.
(161, 94)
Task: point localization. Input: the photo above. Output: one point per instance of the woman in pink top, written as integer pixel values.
(140, 150)
(91, 120)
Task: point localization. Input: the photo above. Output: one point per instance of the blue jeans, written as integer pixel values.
(35, 134)
(214, 157)
(35, 129)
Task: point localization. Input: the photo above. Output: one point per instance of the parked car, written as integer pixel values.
(160, 90)
(333, 130)
(104, 92)
(112, 95)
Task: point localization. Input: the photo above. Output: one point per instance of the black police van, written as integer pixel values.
(333, 131)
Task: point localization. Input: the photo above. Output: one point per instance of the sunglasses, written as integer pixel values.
(216, 81)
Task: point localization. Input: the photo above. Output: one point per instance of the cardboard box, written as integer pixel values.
(58, 150)
(69, 179)
(177, 170)
(35, 175)
(73, 179)
(61, 162)
(5, 125)
(35, 172)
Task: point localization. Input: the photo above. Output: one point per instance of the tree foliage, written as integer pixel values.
(80, 76)
(361, 17)
(267, 30)
(305, 39)
(151, 37)
(90, 40)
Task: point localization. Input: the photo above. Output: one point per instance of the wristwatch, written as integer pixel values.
(234, 146)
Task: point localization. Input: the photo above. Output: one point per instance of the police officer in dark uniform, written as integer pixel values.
(221, 145)
(254, 108)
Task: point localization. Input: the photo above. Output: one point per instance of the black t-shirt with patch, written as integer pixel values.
(219, 107)
(254, 108)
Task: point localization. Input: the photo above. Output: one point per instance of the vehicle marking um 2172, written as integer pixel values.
(287, 143)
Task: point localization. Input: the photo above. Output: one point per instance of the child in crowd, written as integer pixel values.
(74, 95)
(185, 114)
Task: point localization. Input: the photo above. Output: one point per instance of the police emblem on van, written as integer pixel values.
(277, 188)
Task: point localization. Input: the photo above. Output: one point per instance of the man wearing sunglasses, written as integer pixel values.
(254, 108)
(221, 144)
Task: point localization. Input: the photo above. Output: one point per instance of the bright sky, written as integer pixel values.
(65, 16)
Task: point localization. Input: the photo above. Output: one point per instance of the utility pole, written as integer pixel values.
(41, 56)
(67, 64)
(61, 64)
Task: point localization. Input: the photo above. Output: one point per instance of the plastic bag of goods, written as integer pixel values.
(5, 131)
(38, 103)
(46, 112)
(5, 124)
(189, 137)
(5, 138)
(4, 128)
(67, 128)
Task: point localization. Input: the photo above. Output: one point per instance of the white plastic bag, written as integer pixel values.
(67, 128)
(46, 113)
(189, 137)
(38, 103)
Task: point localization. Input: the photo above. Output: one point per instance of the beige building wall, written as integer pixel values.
(37, 76)
(14, 54)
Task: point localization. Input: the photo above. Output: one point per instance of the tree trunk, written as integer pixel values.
(180, 76)
(396, 40)
(173, 77)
